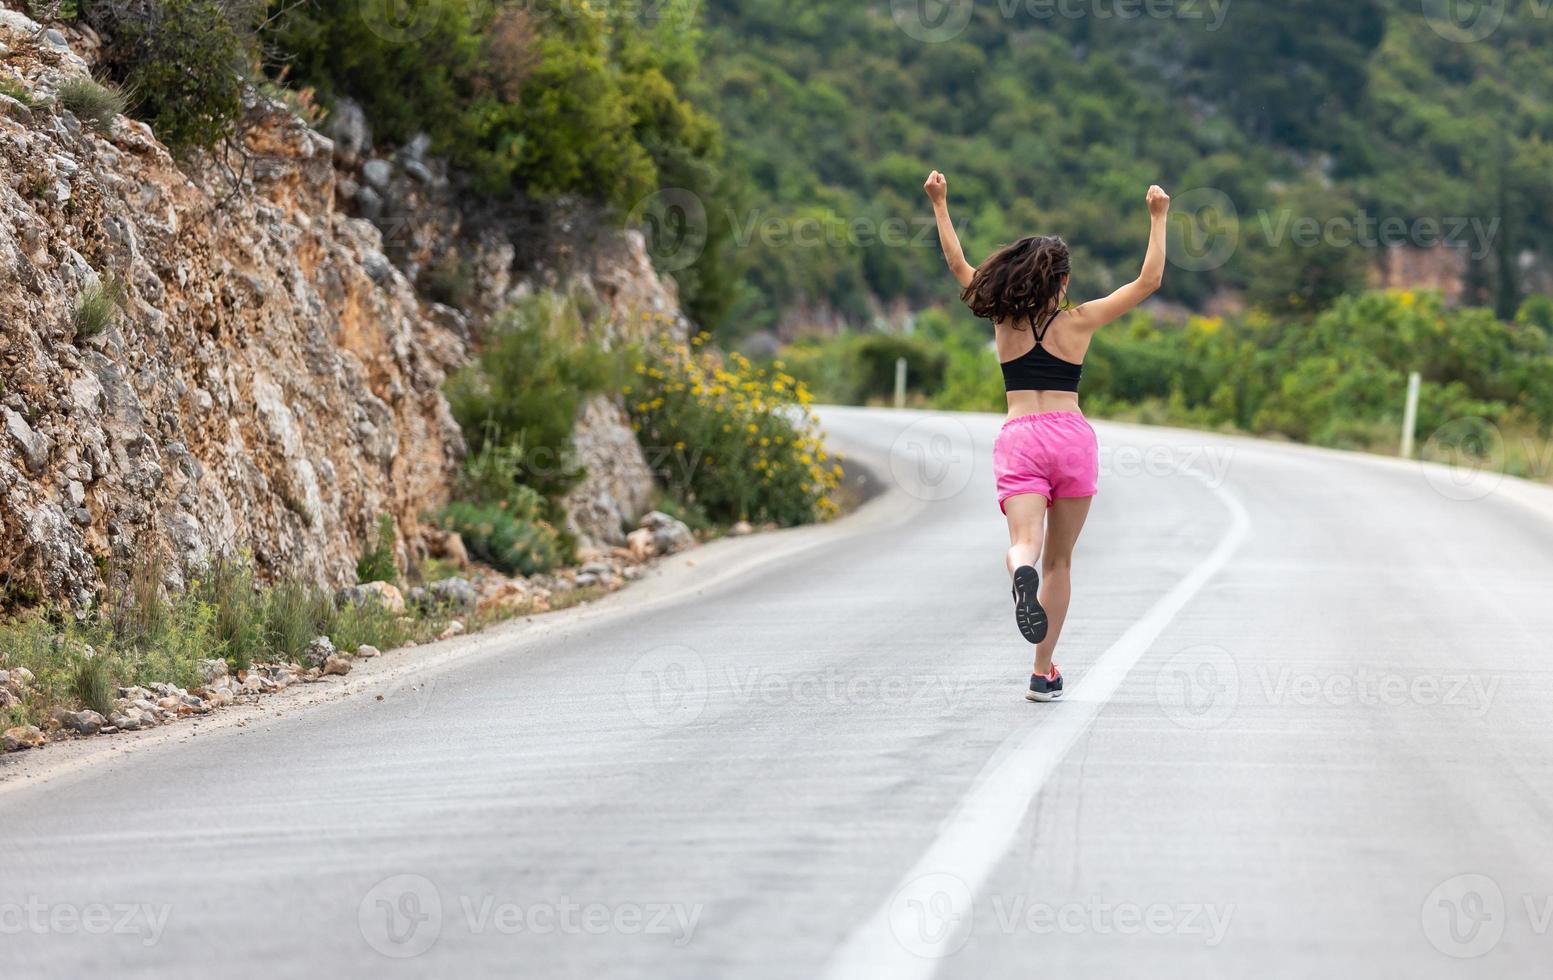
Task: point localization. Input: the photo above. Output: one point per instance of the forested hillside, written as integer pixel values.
(1396, 125)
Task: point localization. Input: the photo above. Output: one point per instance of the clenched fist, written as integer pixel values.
(936, 188)
(1159, 201)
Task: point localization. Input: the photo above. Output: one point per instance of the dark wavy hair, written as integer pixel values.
(1021, 283)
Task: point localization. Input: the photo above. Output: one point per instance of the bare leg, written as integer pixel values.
(1064, 522)
(1026, 522)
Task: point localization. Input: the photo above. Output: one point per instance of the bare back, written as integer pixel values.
(1063, 338)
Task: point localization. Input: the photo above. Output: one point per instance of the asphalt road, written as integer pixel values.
(1309, 733)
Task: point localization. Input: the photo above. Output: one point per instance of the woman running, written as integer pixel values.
(1046, 458)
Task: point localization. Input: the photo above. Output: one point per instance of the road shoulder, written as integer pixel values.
(682, 577)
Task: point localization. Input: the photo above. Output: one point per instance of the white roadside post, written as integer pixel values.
(900, 382)
(1410, 414)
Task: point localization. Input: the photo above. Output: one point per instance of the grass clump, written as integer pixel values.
(98, 306)
(92, 684)
(359, 623)
(14, 89)
(377, 563)
(152, 634)
(92, 102)
(143, 633)
(294, 615)
(238, 623)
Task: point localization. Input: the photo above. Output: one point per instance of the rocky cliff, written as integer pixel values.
(271, 381)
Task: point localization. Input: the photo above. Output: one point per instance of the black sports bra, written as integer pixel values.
(1037, 369)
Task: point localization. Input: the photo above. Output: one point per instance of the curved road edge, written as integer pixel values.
(676, 578)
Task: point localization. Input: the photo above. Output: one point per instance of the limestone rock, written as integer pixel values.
(382, 593)
(669, 534)
(318, 652)
(348, 129)
(34, 448)
(212, 671)
(450, 594)
(21, 737)
(86, 722)
(642, 544)
(617, 485)
(377, 173)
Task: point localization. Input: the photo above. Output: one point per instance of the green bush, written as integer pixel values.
(185, 61)
(876, 353)
(1337, 380)
(377, 563)
(491, 472)
(511, 535)
(546, 98)
(860, 368)
(734, 441)
(1537, 311)
(93, 103)
(524, 391)
(972, 382)
(502, 521)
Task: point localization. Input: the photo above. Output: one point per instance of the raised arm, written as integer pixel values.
(937, 188)
(1097, 313)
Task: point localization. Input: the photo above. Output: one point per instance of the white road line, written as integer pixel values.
(929, 915)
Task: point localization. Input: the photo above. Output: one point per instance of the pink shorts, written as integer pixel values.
(1054, 454)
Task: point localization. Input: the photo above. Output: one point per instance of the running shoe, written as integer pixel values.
(1027, 608)
(1045, 687)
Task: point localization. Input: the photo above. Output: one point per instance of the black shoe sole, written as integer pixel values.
(1027, 609)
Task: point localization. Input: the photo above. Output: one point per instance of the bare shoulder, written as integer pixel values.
(1076, 318)
(1069, 334)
